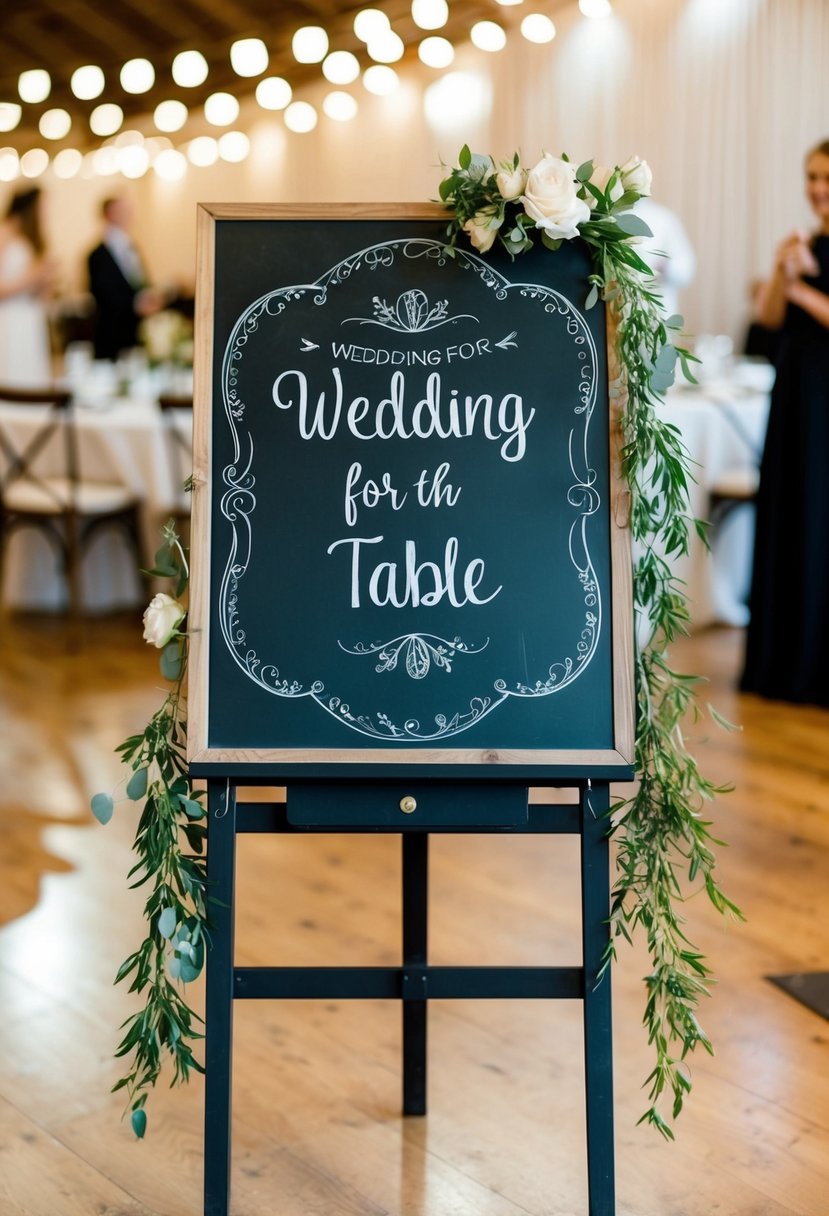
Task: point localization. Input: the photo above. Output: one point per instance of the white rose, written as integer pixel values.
(601, 176)
(511, 182)
(482, 230)
(637, 176)
(161, 619)
(551, 198)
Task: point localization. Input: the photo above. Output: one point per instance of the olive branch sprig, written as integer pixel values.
(169, 844)
(660, 830)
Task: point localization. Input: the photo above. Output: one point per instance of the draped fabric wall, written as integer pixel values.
(722, 97)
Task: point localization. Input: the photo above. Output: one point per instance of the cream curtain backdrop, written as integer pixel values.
(722, 97)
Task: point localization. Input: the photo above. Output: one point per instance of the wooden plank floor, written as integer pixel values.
(317, 1130)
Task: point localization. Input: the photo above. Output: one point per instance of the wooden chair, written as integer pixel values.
(41, 485)
(181, 457)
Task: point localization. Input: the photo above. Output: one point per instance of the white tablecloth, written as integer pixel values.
(119, 440)
(723, 427)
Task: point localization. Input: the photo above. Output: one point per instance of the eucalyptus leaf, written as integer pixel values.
(137, 784)
(193, 809)
(633, 224)
(102, 807)
(167, 922)
(139, 1123)
(171, 660)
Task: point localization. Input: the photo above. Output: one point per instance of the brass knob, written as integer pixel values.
(408, 805)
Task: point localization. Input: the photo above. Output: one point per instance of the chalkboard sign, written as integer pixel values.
(408, 547)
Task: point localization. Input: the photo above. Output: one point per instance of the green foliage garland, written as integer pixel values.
(659, 831)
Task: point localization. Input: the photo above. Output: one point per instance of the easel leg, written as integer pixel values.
(221, 860)
(415, 951)
(598, 1030)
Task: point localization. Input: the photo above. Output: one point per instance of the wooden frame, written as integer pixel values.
(514, 763)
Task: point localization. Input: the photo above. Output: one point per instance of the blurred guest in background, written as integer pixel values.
(668, 252)
(118, 282)
(26, 276)
(787, 650)
(760, 341)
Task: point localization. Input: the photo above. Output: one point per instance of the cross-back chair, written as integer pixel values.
(42, 485)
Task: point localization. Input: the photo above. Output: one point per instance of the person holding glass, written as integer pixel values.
(787, 645)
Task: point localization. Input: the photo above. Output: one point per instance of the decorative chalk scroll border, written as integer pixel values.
(239, 501)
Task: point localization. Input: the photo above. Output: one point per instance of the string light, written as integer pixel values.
(488, 36)
(9, 165)
(170, 165)
(380, 80)
(386, 47)
(436, 52)
(34, 162)
(234, 146)
(87, 82)
(221, 109)
(106, 119)
(137, 76)
(133, 161)
(203, 151)
(105, 161)
(189, 69)
(34, 85)
(273, 93)
(249, 57)
(300, 117)
(67, 163)
(341, 67)
(310, 44)
(170, 115)
(10, 113)
(340, 106)
(54, 124)
(370, 23)
(537, 27)
(595, 9)
(430, 14)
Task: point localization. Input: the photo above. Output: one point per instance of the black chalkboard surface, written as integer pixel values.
(407, 544)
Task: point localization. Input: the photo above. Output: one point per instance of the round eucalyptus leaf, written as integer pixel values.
(139, 1123)
(167, 922)
(102, 807)
(171, 661)
(137, 785)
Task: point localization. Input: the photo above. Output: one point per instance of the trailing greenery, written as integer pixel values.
(169, 843)
(659, 831)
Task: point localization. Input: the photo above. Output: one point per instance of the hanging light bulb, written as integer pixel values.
(189, 69)
(310, 44)
(137, 76)
(595, 9)
(203, 151)
(67, 163)
(9, 165)
(249, 57)
(54, 124)
(381, 80)
(87, 82)
(34, 85)
(430, 14)
(34, 162)
(234, 146)
(386, 47)
(273, 93)
(370, 23)
(488, 36)
(537, 27)
(340, 106)
(341, 67)
(300, 117)
(10, 113)
(106, 119)
(170, 165)
(133, 161)
(170, 115)
(436, 52)
(221, 109)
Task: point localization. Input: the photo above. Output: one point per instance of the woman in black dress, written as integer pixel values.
(787, 651)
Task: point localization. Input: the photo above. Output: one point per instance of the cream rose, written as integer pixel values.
(511, 182)
(551, 198)
(161, 619)
(636, 175)
(601, 176)
(482, 230)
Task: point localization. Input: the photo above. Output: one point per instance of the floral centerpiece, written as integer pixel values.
(659, 831)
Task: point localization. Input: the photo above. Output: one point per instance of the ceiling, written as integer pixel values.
(61, 35)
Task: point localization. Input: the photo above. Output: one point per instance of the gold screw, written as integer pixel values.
(408, 805)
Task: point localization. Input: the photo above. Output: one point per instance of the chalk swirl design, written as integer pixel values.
(239, 502)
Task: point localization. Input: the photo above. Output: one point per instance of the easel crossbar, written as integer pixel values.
(411, 982)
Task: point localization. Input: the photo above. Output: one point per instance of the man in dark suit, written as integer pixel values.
(118, 282)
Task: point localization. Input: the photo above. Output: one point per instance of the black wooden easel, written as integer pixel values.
(380, 807)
